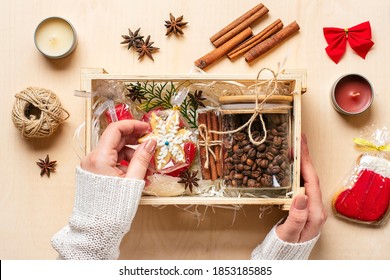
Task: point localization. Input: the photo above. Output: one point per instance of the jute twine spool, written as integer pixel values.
(37, 112)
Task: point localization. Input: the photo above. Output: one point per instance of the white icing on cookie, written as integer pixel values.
(170, 138)
(376, 164)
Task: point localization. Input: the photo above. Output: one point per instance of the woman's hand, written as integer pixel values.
(307, 214)
(111, 150)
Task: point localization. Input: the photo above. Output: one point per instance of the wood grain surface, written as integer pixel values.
(33, 208)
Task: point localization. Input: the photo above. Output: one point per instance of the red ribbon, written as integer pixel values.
(359, 38)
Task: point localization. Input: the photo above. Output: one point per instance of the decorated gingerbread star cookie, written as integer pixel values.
(170, 139)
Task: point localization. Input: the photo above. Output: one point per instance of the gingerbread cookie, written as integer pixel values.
(367, 199)
(171, 138)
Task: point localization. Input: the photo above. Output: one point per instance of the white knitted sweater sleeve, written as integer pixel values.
(273, 248)
(103, 210)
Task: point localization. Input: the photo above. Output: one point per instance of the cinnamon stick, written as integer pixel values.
(217, 148)
(242, 24)
(271, 42)
(235, 22)
(202, 150)
(255, 40)
(221, 51)
(213, 167)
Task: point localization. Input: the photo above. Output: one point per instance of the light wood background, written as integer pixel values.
(32, 208)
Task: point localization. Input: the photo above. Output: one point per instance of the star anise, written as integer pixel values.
(145, 47)
(135, 93)
(47, 166)
(197, 98)
(174, 25)
(189, 179)
(132, 39)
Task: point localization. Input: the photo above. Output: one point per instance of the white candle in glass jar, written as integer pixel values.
(55, 37)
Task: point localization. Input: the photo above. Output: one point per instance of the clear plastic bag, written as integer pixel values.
(365, 195)
(175, 145)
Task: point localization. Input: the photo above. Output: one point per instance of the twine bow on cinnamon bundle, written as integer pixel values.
(207, 143)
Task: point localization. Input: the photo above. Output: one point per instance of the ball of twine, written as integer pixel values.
(37, 112)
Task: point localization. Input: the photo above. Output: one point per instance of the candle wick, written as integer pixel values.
(355, 94)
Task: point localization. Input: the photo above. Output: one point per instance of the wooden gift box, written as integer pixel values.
(295, 80)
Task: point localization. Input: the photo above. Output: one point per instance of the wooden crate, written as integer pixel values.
(295, 79)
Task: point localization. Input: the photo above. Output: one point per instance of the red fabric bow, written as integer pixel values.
(359, 38)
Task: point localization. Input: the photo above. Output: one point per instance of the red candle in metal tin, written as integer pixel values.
(352, 94)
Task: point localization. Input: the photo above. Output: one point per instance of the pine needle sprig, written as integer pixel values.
(188, 111)
(156, 96)
(159, 96)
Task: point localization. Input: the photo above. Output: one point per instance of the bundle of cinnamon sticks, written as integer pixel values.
(209, 147)
(237, 39)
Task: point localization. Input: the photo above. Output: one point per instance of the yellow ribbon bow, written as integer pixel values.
(367, 145)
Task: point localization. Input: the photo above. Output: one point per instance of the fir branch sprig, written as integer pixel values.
(159, 95)
(188, 111)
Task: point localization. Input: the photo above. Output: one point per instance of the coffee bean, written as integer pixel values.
(278, 141)
(279, 159)
(270, 156)
(247, 167)
(229, 166)
(275, 170)
(256, 166)
(266, 180)
(255, 174)
(239, 152)
(261, 147)
(240, 136)
(245, 142)
(274, 151)
(264, 163)
(250, 162)
(252, 153)
(251, 183)
(247, 148)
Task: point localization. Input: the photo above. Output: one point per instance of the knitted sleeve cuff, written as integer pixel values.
(114, 197)
(273, 248)
(102, 213)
